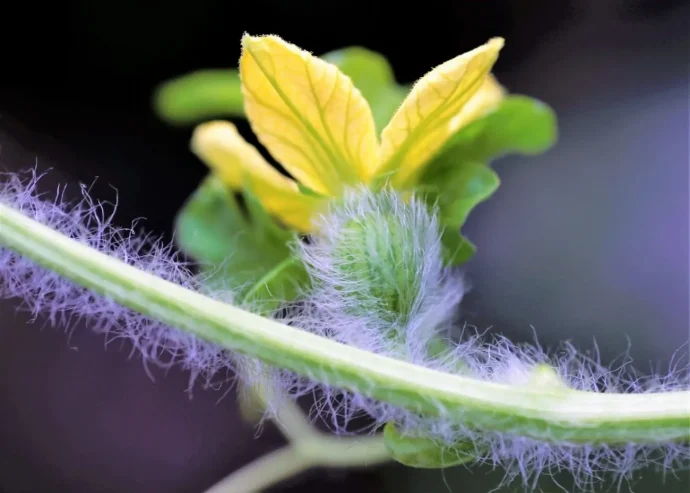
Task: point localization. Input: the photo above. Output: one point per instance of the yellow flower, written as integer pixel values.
(312, 120)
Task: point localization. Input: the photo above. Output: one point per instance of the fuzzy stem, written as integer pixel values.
(543, 413)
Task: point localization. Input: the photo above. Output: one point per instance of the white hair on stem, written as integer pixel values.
(64, 303)
(410, 315)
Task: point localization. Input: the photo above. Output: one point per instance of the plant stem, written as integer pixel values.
(541, 413)
(307, 448)
(265, 471)
(292, 422)
(317, 450)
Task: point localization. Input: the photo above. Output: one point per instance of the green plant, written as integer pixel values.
(363, 312)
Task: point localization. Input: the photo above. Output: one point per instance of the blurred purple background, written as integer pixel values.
(589, 241)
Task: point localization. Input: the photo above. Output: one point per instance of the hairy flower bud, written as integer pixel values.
(381, 259)
(377, 258)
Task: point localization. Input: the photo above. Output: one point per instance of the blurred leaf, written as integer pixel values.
(308, 191)
(373, 76)
(369, 70)
(458, 178)
(241, 250)
(208, 223)
(457, 248)
(217, 93)
(424, 452)
(456, 186)
(519, 125)
(482, 478)
(386, 104)
(200, 96)
(281, 284)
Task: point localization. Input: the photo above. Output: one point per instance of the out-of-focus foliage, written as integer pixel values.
(459, 178)
(423, 452)
(216, 93)
(199, 96)
(238, 246)
(480, 479)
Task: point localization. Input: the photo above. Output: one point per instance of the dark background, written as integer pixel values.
(588, 242)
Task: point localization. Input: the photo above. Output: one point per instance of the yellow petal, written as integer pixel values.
(308, 114)
(422, 123)
(236, 162)
(487, 98)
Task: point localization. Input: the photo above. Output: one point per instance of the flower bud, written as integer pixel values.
(378, 256)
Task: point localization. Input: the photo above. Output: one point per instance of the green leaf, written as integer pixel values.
(308, 191)
(281, 284)
(369, 70)
(200, 95)
(373, 76)
(455, 187)
(519, 125)
(242, 250)
(386, 104)
(458, 179)
(457, 248)
(208, 223)
(424, 452)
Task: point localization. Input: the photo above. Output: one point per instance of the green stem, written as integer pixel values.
(322, 449)
(266, 471)
(308, 448)
(303, 454)
(543, 413)
(289, 418)
(293, 423)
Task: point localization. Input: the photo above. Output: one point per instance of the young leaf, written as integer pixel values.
(387, 103)
(519, 125)
(457, 248)
(244, 252)
(455, 187)
(370, 71)
(281, 284)
(208, 223)
(457, 179)
(423, 452)
(199, 96)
